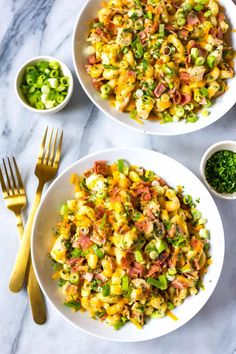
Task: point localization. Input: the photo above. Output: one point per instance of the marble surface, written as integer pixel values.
(44, 27)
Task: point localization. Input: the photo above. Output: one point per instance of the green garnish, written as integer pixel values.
(160, 283)
(44, 86)
(103, 222)
(106, 289)
(125, 283)
(73, 304)
(220, 171)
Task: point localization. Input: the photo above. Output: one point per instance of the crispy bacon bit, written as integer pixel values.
(145, 226)
(85, 242)
(172, 231)
(150, 214)
(220, 17)
(163, 257)
(92, 59)
(101, 277)
(131, 73)
(154, 269)
(97, 83)
(124, 263)
(201, 16)
(184, 33)
(100, 167)
(88, 276)
(178, 284)
(159, 90)
(143, 36)
(192, 19)
(114, 194)
(99, 212)
(176, 97)
(136, 271)
(185, 98)
(74, 261)
(184, 76)
(88, 172)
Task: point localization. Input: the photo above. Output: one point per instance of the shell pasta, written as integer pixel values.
(128, 246)
(160, 59)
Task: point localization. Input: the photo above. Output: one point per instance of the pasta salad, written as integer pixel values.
(128, 246)
(160, 59)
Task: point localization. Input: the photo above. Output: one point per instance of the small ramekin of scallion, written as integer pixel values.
(218, 169)
(44, 84)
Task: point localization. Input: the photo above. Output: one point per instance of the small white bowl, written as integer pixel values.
(66, 72)
(222, 145)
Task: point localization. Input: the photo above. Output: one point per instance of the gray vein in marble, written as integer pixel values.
(33, 15)
(61, 43)
(15, 343)
(86, 131)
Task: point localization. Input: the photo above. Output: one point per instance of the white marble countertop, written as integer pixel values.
(44, 27)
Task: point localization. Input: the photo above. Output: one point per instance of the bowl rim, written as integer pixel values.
(70, 87)
(123, 123)
(34, 232)
(207, 154)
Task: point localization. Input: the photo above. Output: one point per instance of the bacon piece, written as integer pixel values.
(92, 59)
(185, 98)
(99, 211)
(101, 277)
(85, 242)
(146, 195)
(150, 214)
(219, 33)
(184, 33)
(201, 16)
(154, 269)
(192, 19)
(88, 172)
(184, 76)
(145, 226)
(114, 194)
(159, 90)
(74, 261)
(100, 167)
(136, 271)
(97, 83)
(88, 276)
(178, 284)
(220, 17)
(176, 97)
(124, 263)
(143, 36)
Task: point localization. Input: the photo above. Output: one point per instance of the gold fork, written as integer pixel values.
(46, 169)
(15, 200)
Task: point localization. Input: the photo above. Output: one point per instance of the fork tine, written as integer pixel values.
(48, 148)
(13, 178)
(4, 188)
(10, 190)
(20, 183)
(53, 149)
(58, 153)
(41, 151)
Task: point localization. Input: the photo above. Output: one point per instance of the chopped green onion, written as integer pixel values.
(106, 289)
(196, 214)
(187, 199)
(161, 30)
(74, 278)
(64, 210)
(204, 91)
(170, 306)
(125, 283)
(77, 252)
(160, 283)
(73, 304)
(194, 53)
(98, 251)
(103, 222)
(138, 256)
(204, 233)
(161, 245)
(199, 61)
(211, 59)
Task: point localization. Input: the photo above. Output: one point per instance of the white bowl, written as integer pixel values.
(48, 215)
(66, 72)
(218, 110)
(222, 145)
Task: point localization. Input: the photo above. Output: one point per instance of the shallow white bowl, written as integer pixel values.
(48, 215)
(218, 110)
(222, 145)
(19, 76)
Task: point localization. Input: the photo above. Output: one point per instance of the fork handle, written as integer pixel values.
(33, 289)
(20, 265)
